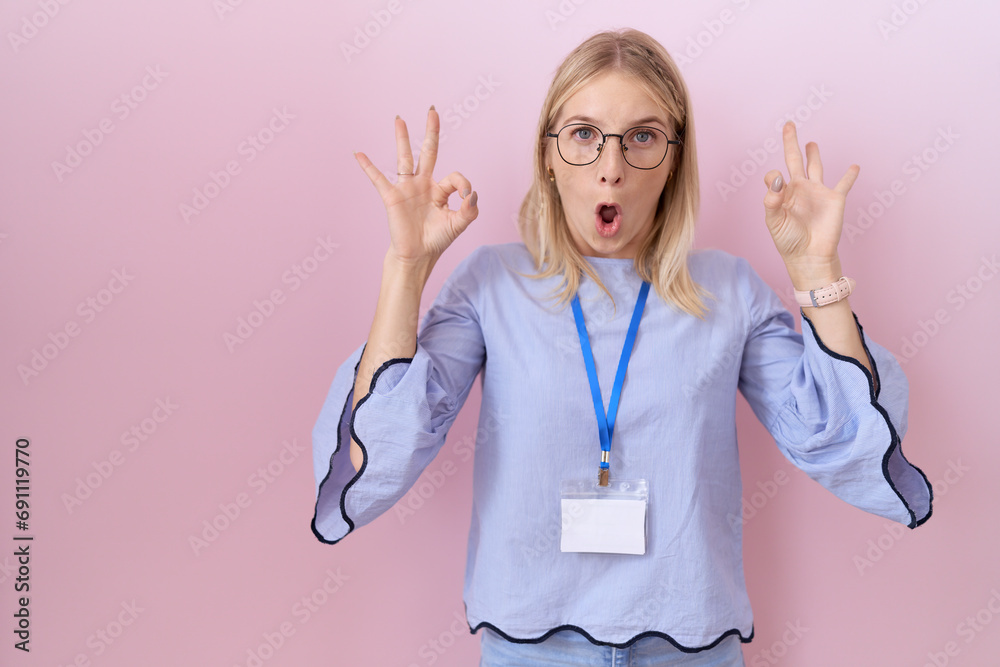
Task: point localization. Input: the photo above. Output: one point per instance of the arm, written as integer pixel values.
(805, 219)
(392, 401)
(394, 330)
(421, 227)
(399, 419)
(846, 435)
(824, 411)
(834, 323)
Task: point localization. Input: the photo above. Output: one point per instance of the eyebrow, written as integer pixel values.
(641, 121)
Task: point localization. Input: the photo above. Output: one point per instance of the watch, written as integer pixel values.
(824, 295)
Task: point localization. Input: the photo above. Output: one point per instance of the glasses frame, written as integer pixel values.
(604, 140)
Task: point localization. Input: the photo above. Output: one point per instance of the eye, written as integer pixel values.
(584, 133)
(643, 137)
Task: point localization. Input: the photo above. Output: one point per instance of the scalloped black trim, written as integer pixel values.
(364, 450)
(894, 440)
(641, 635)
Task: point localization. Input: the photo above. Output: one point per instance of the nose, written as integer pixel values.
(611, 163)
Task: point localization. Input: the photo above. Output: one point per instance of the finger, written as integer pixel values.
(404, 156)
(813, 165)
(377, 178)
(793, 158)
(847, 180)
(455, 181)
(429, 150)
(773, 199)
(467, 212)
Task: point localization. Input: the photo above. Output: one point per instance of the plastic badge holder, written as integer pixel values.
(604, 519)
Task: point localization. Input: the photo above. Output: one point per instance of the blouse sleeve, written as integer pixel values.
(829, 416)
(401, 423)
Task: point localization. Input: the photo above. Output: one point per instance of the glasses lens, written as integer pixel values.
(645, 147)
(578, 144)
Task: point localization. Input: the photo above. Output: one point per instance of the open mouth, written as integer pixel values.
(608, 218)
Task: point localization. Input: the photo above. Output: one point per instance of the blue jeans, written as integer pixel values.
(568, 647)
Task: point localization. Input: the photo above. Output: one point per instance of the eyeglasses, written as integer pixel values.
(580, 144)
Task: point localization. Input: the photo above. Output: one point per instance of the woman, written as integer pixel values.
(580, 553)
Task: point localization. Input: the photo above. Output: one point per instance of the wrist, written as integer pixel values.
(810, 276)
(410, 271)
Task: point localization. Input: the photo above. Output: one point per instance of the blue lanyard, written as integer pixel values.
(606, 425)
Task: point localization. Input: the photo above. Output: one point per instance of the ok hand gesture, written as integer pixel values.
(421, 226)
(805, 217)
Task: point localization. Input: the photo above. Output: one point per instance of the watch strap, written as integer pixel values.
(825, 295)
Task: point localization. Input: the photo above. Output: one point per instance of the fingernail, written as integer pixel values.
(474, 199)
(432, 107)
(397, 115)
(776, 185)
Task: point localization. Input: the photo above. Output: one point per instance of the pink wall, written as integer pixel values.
(161, 98)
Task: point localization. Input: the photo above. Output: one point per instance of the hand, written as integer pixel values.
(805, 217)
(421, 226)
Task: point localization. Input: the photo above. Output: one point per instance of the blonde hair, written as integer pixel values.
(662, 256)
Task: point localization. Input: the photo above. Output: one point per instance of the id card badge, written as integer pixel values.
(604, 519)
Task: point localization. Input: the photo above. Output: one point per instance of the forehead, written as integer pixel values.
(612, 99)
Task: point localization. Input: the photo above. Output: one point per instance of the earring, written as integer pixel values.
(552, 175)
(670, 175)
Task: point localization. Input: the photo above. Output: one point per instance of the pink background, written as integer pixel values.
(860, 590)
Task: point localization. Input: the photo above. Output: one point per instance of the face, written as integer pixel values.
(613, 103)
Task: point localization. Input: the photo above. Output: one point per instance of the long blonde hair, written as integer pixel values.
(662, 256)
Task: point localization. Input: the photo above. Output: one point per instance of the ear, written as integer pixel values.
(673, 162)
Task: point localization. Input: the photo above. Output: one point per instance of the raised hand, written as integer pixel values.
(805, 219)
(421, 226)
(804, 216)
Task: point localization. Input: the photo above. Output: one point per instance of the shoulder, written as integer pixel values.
(487, 267)
(715, 264)
(716, 268)
(723, 273)
(514, 253)
(487, 261)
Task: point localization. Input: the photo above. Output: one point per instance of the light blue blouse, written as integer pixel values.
(675, 428)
